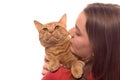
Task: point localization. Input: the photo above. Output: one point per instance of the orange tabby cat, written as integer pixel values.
(55, 38)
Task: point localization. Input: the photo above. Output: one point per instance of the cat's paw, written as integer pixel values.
(53, 66)
(77, 69)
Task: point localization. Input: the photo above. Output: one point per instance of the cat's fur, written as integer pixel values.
(55, 38)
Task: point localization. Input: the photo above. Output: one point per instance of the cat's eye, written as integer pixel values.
(45, 29)
(56, 27)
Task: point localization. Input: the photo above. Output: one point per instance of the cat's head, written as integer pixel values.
(53, 32)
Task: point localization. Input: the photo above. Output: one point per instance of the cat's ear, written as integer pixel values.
(38, 25)
(63, 19)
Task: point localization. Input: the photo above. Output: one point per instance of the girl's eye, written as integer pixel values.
(77, 33)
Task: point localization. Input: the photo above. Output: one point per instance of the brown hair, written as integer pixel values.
(103, 28)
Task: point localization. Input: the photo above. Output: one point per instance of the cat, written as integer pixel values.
(56, 40)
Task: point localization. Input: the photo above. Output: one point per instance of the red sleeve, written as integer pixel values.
(61, 74)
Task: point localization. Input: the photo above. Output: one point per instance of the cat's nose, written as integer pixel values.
(51, 31)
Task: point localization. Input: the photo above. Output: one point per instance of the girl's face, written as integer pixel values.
(80, 44)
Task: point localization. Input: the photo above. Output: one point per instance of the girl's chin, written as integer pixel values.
(74, 53)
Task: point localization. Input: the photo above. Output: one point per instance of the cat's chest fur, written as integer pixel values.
(59, 49)
(60, 52)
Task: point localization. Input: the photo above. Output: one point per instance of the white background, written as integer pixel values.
(21, 54)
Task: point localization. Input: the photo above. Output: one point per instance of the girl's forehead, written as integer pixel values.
(81, 21)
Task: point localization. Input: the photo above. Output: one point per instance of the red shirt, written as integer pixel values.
(61, 74)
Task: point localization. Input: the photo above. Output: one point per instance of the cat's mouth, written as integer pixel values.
(52, 40)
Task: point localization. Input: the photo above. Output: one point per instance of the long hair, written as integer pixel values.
(103, 28)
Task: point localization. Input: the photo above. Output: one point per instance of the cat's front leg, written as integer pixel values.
(53, 65)
(77, 69)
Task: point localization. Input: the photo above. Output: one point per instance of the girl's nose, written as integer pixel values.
(71, 32)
